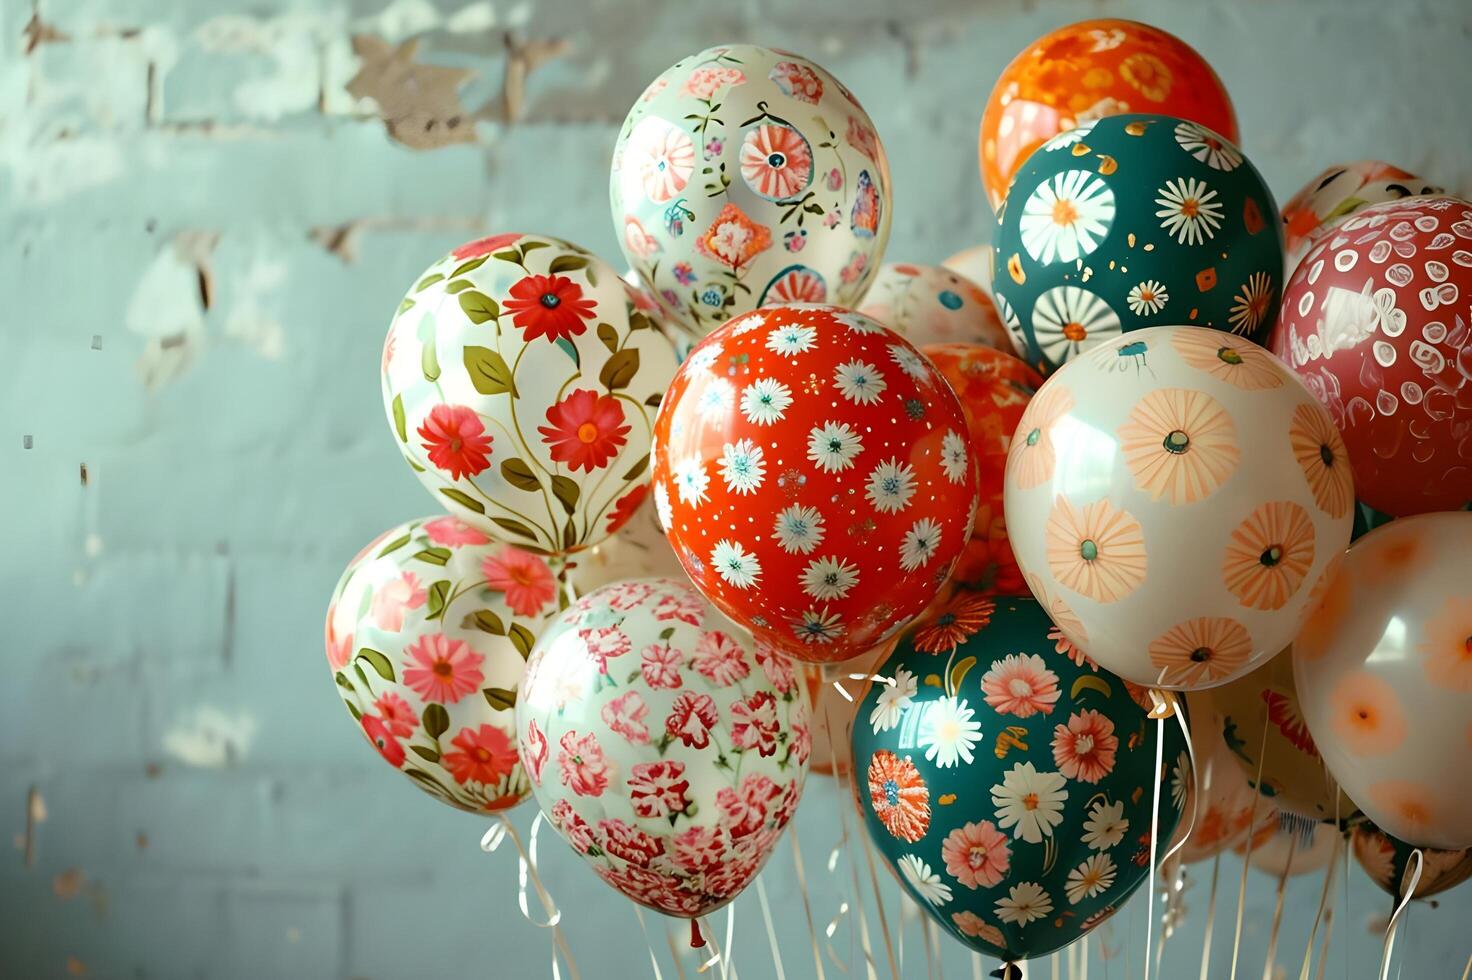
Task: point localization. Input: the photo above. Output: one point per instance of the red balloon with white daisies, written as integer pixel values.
(812, 471)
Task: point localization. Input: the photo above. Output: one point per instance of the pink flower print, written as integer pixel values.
(832, 218)
(754, 723)
(705, 82)
(684, 274)
(1020, 684)
(977, 854)
(713, 148)
(339, 648)
(835, 179)
(383, 740)
(862, 138)
(625, 715)
(691, 719)
(730, 877)
(441, 669)
(1084, 748)
(638, 241)
(758, 843)
(661, 666)
(733, 238)
(787, 805)
(698, 849)
(534, 751)
(627, 595)
(603, 643)
(574, 827)
(451, 532)
(685, 605)
(743, 811)
(776, 666)
(629, 843)
(795, 240)
(720, 659)
(802, 742)
(396, 714)
(583, 768)
(395, 598)
(654, 88)
(657, 789)
(798, 81)
(857, 263)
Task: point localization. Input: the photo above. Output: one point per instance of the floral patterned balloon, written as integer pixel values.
(1135, 221)
(1173, 495)
(811, 469)
(667, 749)
(1338, 192)
(1228, 805)
(1260, 722)
(1009, 781)
(1083, 72)
(1390, 865)
(1375, 321)
(639, 549)
(427, 635)
(747, 176)
(521, 382)
(833, 713)
(975, 263)
(1384, 673)
(994, 389)
(1297, 849)
(928, 304)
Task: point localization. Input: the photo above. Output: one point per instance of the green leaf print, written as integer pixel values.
(378, 662)
(463, 499)
(478, 306)
(489, 372)
(484, 620)
(436, 720)
(566, 491)
(400, 424)
(620, 369)
(500, 698)
(517, 473)
(439, 594)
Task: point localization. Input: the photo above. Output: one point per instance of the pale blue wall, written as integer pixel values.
(164, 691)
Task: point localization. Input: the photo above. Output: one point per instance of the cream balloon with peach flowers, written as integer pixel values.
(1172, 497)
(1384, 673)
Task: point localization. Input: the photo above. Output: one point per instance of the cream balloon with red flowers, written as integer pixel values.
(427, 636)
(747, 176)
(666, 747)
(521, 381)
(1384, 673)
(929, 304)
(1172, 496)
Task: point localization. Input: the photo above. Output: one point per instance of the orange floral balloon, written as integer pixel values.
(994, 389)
(1088, 70)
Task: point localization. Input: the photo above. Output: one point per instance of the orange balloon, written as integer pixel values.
(1088, 70)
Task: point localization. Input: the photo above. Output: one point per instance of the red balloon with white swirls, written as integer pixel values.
(1376, 321)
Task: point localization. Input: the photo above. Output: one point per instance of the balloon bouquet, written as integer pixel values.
(1029, 499)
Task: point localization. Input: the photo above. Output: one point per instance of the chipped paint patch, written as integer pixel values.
(212, 738)
(168, 304)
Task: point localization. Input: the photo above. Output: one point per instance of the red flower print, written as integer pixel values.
(699, 849)
(977, 854)
(396, 714)
(626, 507)
(586, 430)
(754, 723)
(603, 643)
(548, 306)
(691, 719)
(483, 755)
(484, 246)
(733, 239)
(534, 751)
(1142, 853)
(524, 578)
(685, 605)
(624, 596)
(456, 440)
(394, 598)
(625, 716)
(452, 532)
(802, 742)
(581, 763)
(442, 669)
(1084, 748)
(1283, 712)
(899, 796)
(787, 806)
(661, 666)
(731, 877)
(629, 843)
(657, 789)
(776, 666)
(383, 740)
(744, 811)
(574, 827)
(720, 659)
(340, 648)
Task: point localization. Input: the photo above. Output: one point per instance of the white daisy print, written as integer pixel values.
(1030, 802)
(792, 340)
(662, 508)
(1024, 903)
(1250, 305)
(741, 466)
(891, 486)
(1067, 138)
(1147, 298)
(735, 564)
(920, 544)
(1180, 780)
(1189, 210)
(909, 362)
(923, 881)
(1066, 217)
(706, 356)
(715, 400)
(1068, 320)
(1093, 877)
(893, 699)
(948, 731)
(799, 529)
(818, 627)
(953, 457)
(691, 480)
(833, 446)
(829, 578)
(749, 323)
(859, 382)
(765, 401)
(857, 323)
(1207, 146)
(1105, 826)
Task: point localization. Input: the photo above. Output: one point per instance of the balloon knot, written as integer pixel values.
(696, 939)
(1007, 971)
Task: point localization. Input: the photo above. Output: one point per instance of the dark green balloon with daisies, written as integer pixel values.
(1129, 222)
(1008, 781)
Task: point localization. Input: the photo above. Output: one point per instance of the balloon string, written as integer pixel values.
(1154, 835)
(527, 871)
(674, 953)
(1267, 967)
(715, 958)
(761, 894)
(653, 960)
(837, 851)
(1262, 747)
(1216, 867)
(1410, 892)
(1167, 703)
(1468, 971)
(1325, 896)
(807, 908)
(1324, 950)
(857, 894)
